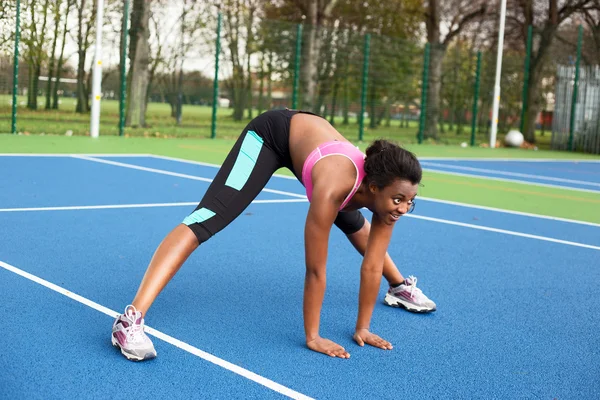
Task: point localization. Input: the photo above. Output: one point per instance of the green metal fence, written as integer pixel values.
(209, 81)
(577, 128)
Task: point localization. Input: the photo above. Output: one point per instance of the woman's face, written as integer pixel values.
(394, 200)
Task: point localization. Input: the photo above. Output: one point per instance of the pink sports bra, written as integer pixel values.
(334, 148)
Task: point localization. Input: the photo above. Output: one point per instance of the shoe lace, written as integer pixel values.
(411, 283)
(134, 330)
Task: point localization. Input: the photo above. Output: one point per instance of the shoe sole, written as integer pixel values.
(129, 356)
(395, 302)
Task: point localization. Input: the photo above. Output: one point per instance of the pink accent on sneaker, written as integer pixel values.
(120, 337)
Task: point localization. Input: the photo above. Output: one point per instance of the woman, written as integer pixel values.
(339, 181)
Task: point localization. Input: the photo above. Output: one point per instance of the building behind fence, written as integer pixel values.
(579, 130)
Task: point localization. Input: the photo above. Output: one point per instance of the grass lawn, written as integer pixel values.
(196, 123)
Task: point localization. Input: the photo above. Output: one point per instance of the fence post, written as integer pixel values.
(96, 97)
(424, 94)
(213, 126)
(297, 66)
(363, 96)
(575, 88)
(526, 78)
(123, 90)
(475, 99)
(16, 70)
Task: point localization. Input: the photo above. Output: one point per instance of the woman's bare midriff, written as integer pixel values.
(306, 133)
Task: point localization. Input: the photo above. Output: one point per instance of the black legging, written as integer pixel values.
(261, 149)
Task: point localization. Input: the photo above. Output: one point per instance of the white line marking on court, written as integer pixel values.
(492, 178)
(443, 221)
(204, 164)
(500, 210)
(491, 171)
(147, 205)
(424, 198)
(532, 160)
(163, 172)
(512, 233)
(466, 205)
(169, 339)
(70, 155)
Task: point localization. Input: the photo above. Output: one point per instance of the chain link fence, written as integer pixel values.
(366, 85)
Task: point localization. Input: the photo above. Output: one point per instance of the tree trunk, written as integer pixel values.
(261, 84)
(139, 60)
(346, 104)
(52, 60)
(249, 41)
(179, 108)
(37, 56)
(533, 108)
(30, 89)
(436, 56)
(270, 82)
(387, 115)
(373, 119)
(336, 86)
(535, 77)
(308, 69)
(82, 101)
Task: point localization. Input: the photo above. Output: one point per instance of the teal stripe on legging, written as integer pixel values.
(245, 162)
(199, 215)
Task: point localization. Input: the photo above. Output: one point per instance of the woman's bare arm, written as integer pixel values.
(329, 192)
(370, 279)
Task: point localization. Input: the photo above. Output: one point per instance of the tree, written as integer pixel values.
(316, 12)
(61, 58)
(456, 16)
(239, 20)
(137, 79)
(545, 17)
(340, 40)
(85, 21)
(591, 15)
(8, 20)
(52, 60)
(35, 55)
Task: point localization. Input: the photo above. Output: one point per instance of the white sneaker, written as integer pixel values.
(410, 297)
(128, 335)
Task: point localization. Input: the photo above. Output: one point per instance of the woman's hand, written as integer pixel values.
(362, 336)
(326, 346)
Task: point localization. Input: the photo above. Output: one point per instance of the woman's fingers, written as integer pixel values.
(369, 338)
(328, 347)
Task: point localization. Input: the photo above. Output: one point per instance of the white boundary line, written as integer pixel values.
(204, 164)
(533, 160)
(148, 205)
(455, 203)
(163, 172)
(485, 228)
(443, 221)
(169, 339)
(491, 171)
(500, 210)
(70, 155)
(466, 205)
(491, 178)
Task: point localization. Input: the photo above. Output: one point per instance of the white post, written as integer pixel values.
(97, 73)
(496, 103)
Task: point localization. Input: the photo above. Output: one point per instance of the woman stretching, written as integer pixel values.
(339, 180)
